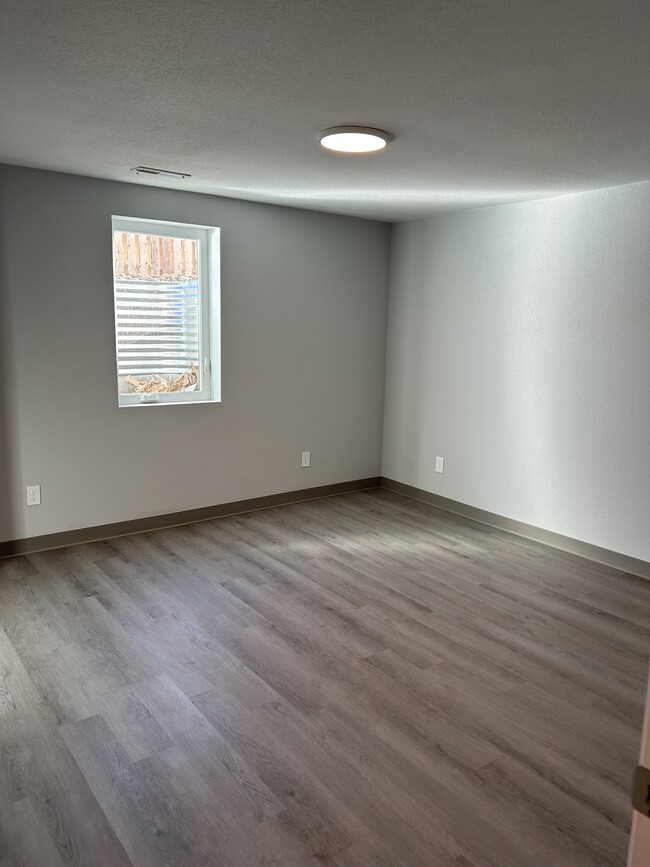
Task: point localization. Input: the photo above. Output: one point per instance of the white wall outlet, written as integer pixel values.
(306, 459)
(33, 495)
(440, 464)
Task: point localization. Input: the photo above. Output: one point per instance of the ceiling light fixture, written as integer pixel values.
(354, 139)
(165, 173)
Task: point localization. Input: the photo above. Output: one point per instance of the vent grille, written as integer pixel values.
(165, 173)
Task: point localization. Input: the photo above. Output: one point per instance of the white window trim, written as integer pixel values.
(209, 280)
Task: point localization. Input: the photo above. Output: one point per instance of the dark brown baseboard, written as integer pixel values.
(604, 556)
(176, 519)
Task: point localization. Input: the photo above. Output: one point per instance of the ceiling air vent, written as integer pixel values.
(165, 173)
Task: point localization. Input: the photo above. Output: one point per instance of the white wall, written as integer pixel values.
(519, 349)
(304, 318)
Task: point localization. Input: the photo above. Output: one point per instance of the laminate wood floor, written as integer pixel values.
(356, 681)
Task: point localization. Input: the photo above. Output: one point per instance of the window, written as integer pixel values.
(166, 291)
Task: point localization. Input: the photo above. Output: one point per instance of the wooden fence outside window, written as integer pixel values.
(153, 257)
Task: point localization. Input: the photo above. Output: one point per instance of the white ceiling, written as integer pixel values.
(493, 101)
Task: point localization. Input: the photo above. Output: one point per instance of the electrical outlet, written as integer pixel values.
(306, 459)
(440, 464)
(33, 495)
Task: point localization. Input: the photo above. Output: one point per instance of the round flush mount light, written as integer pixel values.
(354, 139)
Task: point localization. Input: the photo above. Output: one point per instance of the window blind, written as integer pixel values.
(157, 325)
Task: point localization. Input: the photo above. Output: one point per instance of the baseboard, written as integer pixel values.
(604, 556)
(177, 519)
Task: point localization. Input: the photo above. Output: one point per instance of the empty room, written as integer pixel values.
(324, 433)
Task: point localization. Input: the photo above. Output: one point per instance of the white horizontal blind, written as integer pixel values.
(157, 327)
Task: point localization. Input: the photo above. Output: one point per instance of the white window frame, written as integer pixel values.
(208, 270)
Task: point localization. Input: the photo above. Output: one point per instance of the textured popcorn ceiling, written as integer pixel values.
(494, 101)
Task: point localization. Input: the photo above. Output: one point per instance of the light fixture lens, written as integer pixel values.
(354, 139)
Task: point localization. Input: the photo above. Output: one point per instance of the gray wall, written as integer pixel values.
(519, 349)
(304, 318)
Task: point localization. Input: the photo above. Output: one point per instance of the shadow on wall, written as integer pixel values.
(6, 517)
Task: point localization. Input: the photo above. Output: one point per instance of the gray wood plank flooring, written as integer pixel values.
(356, 681)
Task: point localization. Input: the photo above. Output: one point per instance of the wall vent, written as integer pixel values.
(165, 173)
